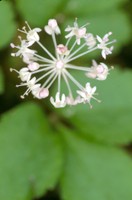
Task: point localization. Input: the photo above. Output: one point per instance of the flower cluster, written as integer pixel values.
(41, 72)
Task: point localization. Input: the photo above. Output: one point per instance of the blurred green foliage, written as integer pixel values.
(7, 23)
(1, 82)
(78, 153)
(94, 171)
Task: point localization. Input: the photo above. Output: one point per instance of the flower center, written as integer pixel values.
(59, 64)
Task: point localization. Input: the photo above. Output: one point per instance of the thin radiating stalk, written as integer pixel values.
(68, 85)
(69, 39)
(74, 80)
(83, 45)
(44, 65)
(35, 59)
(41, 70)
(49, 72)
(43, 58)
(43, 47)
(55, 44)
(26, 93)
(52, 81)
(49, 78)
(59, 82)
(77, 68)
(74, 44)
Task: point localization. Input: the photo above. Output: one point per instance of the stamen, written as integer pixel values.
(99, 101)
(28, 25)
(26, 93)
(11, 70)
(22, 84)
(12, 45)
(85, 25)
(13, 54)
(20, 38)
(21, 31)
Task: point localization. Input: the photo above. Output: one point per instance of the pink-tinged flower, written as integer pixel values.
(41, 72)
(76, 31)
(99, 72)
(90, 40)
(62, 50)
(40, 93)
(52, 27)
(33, 66)
(73, 102)
(103, 45)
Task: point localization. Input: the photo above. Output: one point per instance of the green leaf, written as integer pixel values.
(84, 7)
(110, 120)
(38, 12)
(30, 154)
(95, 172)
(7, 23)
(1, 82)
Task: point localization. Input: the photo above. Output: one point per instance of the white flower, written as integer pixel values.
(35, 89)
(28, 58)
(72, 102)
(31, 83)
(58, 103)
(100, 72)
(23, 49)
(103, 45)
(30, 86)
(76, 31)
(24, 74)
(62, 50)
(42, 72)
(40, 93)
(33, 66)
(32, 34)
(87, 93)
(90, 40)
(52, 27)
